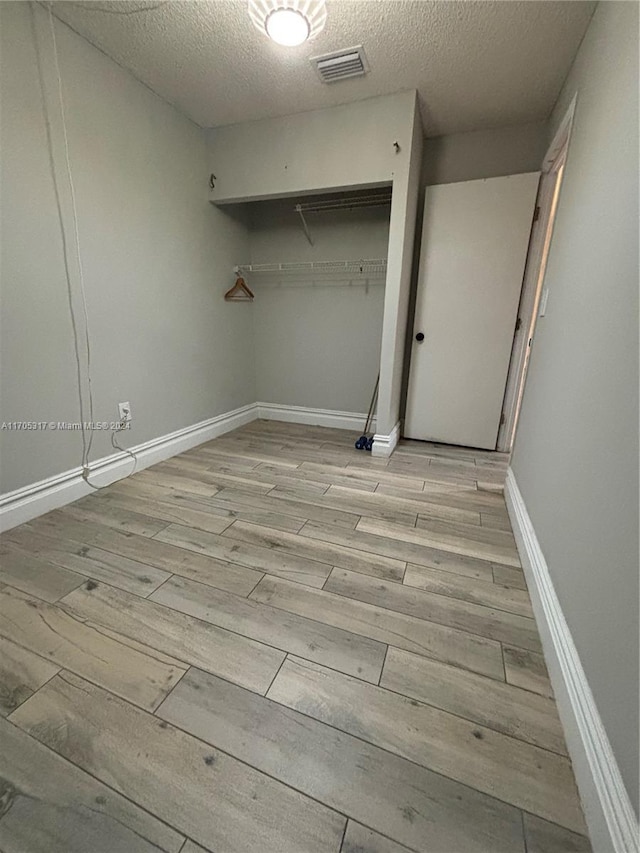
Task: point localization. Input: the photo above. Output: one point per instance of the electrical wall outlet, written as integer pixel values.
(125, 412)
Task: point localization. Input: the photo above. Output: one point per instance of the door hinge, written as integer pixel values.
(536, 213)
(518, 324)
(502, 419)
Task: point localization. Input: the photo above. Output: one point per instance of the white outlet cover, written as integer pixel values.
(124, 410)
(543, 302)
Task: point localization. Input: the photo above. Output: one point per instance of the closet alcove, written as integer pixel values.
(317, 267)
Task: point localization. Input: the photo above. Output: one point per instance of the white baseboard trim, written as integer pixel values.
(384, 445)
(35, 499)
(612, 823)
(313, 417)
(31, 501)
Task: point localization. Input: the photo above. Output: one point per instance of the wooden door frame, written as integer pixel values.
(533, 281)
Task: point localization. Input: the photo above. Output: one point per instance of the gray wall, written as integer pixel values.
(576, 450)
(484, 154)
(317, 342)
(157, 258)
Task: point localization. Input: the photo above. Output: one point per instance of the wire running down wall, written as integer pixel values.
(156, 258)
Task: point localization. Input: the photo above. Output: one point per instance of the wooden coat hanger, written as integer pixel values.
(240, 292)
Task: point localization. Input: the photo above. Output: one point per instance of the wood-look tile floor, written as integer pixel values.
(274, 643)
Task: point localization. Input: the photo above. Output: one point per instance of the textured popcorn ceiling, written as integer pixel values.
(475, 64)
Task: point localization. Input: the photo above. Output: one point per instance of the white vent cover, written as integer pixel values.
(341, 64)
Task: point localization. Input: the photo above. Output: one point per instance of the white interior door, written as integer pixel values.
(474, 247)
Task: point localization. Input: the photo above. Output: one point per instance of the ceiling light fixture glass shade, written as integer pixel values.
(288, 22)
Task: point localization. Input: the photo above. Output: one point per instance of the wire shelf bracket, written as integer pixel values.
(380, 199)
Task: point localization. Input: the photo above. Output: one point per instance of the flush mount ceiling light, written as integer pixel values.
(288, 22)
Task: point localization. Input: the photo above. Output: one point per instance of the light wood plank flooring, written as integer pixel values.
(274, 643)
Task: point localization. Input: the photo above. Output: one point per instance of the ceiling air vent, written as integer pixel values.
(341, 64)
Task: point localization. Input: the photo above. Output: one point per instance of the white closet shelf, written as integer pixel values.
(368, 267)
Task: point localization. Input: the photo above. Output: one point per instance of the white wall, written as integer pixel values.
(316, 151)
(484, 153)
(402, 233)
(576, 449)
(317, 342)
(157, 258)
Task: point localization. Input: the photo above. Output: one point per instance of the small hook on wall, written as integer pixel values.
(396, 145)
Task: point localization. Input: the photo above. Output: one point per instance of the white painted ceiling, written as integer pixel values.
(475, 64)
